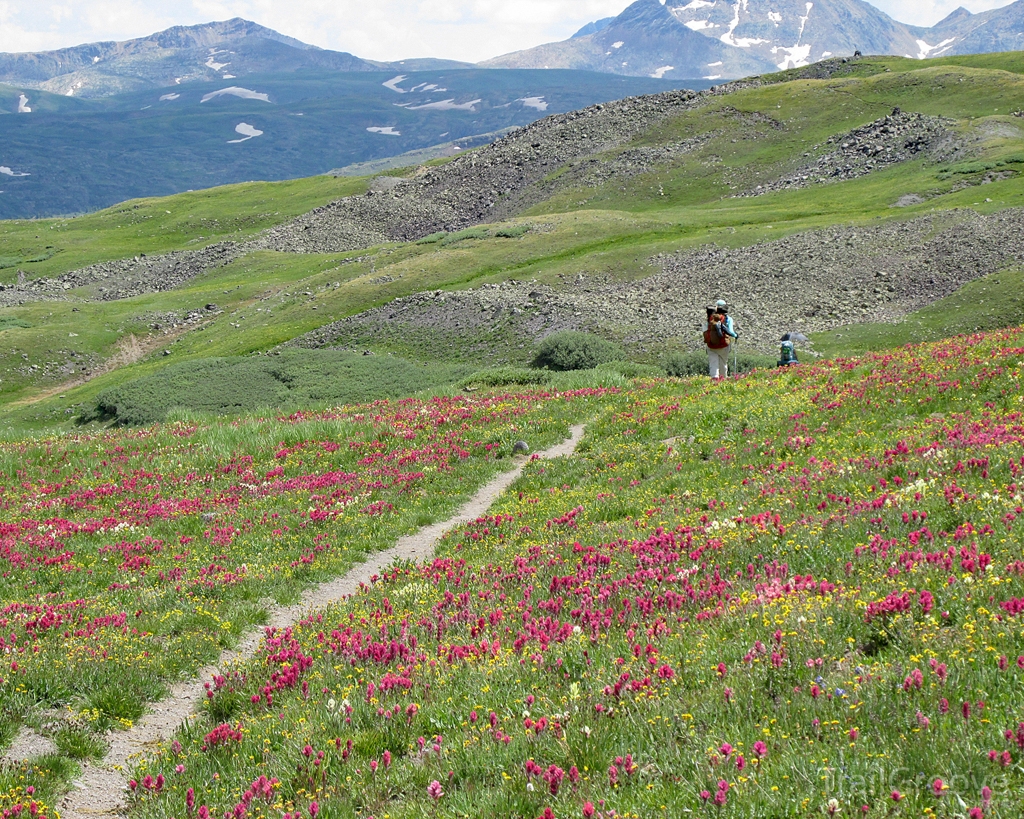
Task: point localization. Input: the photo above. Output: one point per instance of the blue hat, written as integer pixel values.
(721, 303)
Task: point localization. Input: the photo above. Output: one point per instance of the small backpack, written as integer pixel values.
(788, 354)
(715, 336)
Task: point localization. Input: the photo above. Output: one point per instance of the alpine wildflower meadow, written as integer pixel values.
(795, 593)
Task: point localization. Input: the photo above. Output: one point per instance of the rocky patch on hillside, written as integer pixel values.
(122, 279)
(810, 282)
(632, 162)
(149, 274)
(887, 141)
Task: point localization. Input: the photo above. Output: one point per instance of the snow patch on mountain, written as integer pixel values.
(235, 91)
(23, 107)
(536, 103)
(247, 131)
(8, 172)
(659, 73)
(447, 105)
(775, 17)
(392, 84)
(730, 38)
(927, 51)
(388, 131)
(212, 63)
(796, 56)
(170, 97)
(699, 25)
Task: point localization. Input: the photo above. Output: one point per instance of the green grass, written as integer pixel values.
(260, 510)
(49, 247)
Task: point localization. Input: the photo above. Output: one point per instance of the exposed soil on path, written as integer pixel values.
(100, 791)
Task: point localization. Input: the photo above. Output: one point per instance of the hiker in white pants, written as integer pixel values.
(718, 363)
(718, 334)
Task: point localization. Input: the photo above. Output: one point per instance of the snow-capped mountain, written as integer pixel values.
(790, 33)
(734, 38)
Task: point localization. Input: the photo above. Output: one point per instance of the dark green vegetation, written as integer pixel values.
(82, 155)
(572, 350)
(57, 357)
(296, 379)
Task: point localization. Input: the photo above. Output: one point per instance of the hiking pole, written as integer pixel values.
(735, 356)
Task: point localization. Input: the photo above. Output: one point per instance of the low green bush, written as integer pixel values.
(463, 235)
(573, 350)
(433, 238)
(512, 231)
(633, 369)
(506, 377)
(292, 380)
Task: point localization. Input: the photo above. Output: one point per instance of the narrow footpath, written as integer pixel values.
(100, 790)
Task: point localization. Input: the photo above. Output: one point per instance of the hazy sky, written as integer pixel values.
(469, 30)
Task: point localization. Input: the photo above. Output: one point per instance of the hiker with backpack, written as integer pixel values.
(719, 334)
(787, 355)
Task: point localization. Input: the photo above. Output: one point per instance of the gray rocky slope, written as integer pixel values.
(502, 180)
(813, 281)
(493, 183)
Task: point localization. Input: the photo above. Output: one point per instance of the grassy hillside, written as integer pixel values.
(48, 247)
(613, 228)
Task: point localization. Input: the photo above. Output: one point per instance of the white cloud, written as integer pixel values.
(469, 30)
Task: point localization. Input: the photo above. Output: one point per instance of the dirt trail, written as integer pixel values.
(99, 792)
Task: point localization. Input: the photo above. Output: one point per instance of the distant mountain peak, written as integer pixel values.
(957, 16)
(217, 51)
(593, 28)
(205, 34)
